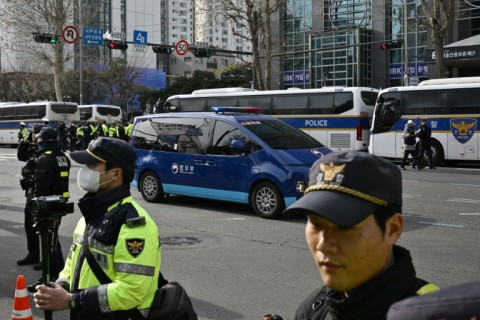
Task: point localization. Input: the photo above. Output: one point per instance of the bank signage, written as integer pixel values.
(418, 69)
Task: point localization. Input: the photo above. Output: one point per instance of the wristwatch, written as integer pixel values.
(72, 301)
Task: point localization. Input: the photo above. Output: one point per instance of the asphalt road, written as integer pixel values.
(235, 265)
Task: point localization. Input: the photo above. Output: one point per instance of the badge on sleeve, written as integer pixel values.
(135, 246)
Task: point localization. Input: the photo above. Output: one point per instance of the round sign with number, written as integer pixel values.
(181, 47)
(70, 34)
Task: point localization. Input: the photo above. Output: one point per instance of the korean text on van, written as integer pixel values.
(237, 156)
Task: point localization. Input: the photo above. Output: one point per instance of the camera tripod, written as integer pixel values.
(48, 230)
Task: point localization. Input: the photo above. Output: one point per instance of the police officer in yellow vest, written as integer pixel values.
(23, 133)
(122, 237)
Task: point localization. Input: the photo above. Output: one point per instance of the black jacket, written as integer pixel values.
(51, 172)
(424, 134)
(371, 301)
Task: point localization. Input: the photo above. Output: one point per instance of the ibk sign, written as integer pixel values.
(419, 69)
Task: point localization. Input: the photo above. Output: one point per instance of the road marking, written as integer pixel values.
(465, 184)
(442, 224)
(228, 219)
(464, 200)
(406, 195)
(470, 214)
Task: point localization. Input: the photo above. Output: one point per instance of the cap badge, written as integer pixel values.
(330, 172)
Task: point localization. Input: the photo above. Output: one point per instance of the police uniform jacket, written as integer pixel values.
(124, 241)
(372, 300)
(424, 134)
(51, 172)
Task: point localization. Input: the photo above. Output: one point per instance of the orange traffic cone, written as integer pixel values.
(21, 302)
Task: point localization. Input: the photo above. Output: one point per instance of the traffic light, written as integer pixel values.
(45, 38)
(162, 49)
(117, 45)
(201, 52)
(391, 45)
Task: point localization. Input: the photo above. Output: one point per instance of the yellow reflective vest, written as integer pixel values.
(132, 263)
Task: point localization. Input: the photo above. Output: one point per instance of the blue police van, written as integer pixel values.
(229, 154)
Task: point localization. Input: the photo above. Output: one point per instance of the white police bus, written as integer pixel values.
(339, 117)
(451, 108)
(12, 113)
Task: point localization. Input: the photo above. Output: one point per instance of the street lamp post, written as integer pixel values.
(405, 42)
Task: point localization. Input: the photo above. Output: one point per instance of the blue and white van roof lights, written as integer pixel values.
(236, 109)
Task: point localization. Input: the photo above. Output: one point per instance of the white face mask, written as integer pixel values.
(89, 180)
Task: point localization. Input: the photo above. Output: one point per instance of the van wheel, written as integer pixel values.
(267, 201)
(151, 187)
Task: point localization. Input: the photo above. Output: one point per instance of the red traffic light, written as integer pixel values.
(118, 45)
(391, 45)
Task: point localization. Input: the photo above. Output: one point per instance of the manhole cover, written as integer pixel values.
(180, 241)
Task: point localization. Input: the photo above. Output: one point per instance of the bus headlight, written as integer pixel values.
(301, 186)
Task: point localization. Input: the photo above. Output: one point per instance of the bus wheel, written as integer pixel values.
(437, 153)
(151, 187)
(267, 201)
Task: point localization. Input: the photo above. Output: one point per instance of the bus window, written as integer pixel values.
(369, 97)
(224, 102)
(196, 104)
(253, 101)
(321, 103)
(108, 111)
(296, 104)
(343, 102)
(64, 108)
(86, 113)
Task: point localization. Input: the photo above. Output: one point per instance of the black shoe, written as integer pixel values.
(38, 267)
(420, 168)
(414, 166)
(403, 168)
(432, 168)
(28, 260)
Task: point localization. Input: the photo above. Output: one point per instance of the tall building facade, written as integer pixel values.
(213, 28)
(338, 43)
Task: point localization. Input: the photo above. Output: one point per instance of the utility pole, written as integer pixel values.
(405, 43)
(80, 51)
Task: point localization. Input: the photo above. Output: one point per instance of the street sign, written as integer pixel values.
(140, 37)
(47, 29)
(92, 37)
(181, 47)
(70, 34)
(139, 48)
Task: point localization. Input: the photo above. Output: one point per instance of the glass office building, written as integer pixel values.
(338, 42)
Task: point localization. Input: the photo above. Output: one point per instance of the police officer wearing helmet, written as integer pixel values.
(23, 133)
(51, 169)
(121, 236)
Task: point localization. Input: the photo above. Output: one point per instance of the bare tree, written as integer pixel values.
(440, 15)
(254, 16)
(22, 18)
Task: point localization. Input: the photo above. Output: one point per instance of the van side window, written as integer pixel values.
(223, 135)
(183, 135)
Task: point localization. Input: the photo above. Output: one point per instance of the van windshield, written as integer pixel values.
(279, 135)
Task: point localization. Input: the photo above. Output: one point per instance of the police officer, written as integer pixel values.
(353, 205)
(51, 175)
(409, 139)
(424, 134)
(117, 231)
(23, 133)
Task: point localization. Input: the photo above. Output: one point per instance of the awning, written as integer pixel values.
(460, 54)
